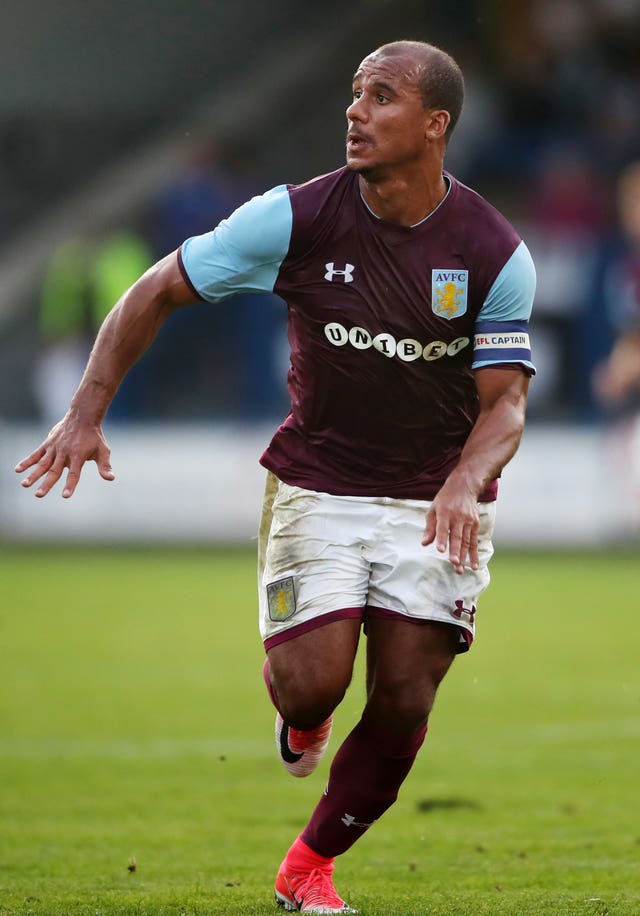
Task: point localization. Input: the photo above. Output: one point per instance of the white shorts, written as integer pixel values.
(325, 557)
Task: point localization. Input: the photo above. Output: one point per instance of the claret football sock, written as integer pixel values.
(364, 780)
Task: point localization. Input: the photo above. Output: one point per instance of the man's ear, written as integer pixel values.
(436, 124)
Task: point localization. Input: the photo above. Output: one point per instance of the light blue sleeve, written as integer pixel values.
(511, 296)
(501, 333)
(244, 252)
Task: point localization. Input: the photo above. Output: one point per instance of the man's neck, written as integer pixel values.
(403, 202)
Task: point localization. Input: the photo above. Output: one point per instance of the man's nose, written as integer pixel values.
(356, 111)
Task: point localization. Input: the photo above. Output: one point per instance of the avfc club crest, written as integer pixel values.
(449, 292)
(281, 597)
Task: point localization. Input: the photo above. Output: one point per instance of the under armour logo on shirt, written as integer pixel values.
(332, 272)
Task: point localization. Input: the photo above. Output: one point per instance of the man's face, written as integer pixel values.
(386, 120)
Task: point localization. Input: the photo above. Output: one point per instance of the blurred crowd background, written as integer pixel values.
(126, 128)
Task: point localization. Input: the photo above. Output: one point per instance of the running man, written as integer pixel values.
(408, 302)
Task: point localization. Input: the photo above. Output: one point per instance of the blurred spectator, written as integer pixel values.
(567, 80)
(196, 375)
(617, 380)
(82, 282)
(614, 120)
(203, 192)
(567, 70)
(566, 211)
(480, 120)
(65, 329)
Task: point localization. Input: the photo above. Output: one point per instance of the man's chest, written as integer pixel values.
(406, 298)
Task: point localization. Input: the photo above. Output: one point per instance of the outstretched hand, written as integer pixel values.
(70, 444)
(453, 519)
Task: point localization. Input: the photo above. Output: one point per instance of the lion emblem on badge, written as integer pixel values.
(449, 298)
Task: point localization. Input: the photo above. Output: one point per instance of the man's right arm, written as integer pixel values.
(127, 332)
(242, 254)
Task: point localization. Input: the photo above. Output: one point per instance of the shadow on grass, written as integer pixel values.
(426, 805)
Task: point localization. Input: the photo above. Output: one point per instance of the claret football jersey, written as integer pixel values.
(387, 325)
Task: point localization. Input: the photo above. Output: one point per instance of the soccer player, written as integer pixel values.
(616, 381)
(408, 300)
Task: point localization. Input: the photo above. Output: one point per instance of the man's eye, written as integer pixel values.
(357, 93)
(382, 98)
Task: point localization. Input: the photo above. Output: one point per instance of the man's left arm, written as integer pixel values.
(453, 515)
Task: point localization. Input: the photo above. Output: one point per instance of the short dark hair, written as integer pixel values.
(441, 83)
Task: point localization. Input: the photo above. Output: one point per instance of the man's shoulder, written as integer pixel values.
(482, 231)
(322, 183)
(478, 211)
(321, 206)
(323, 190)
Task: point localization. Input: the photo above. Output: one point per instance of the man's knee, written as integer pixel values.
(306, 702)
(401, 704)
(404, 699)
(310, 674)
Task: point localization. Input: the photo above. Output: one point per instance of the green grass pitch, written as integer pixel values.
(138, 773)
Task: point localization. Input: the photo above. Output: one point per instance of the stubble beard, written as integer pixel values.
(371, 173)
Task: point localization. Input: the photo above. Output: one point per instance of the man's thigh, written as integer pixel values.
(406, 660)
(313, 568)
(310, 672)
(324, 558)
(419, 583)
